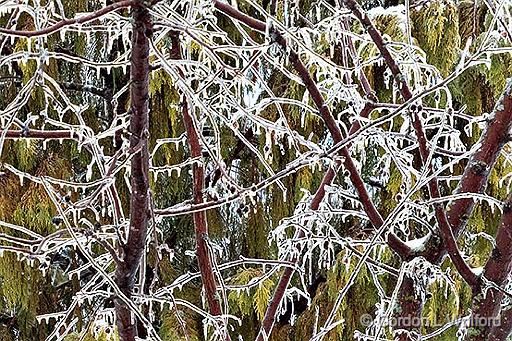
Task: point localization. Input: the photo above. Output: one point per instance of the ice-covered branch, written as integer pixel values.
(200, 220)
(68, 22)
(444, 226)
(39, 134)
(487, 302)
(133, 249)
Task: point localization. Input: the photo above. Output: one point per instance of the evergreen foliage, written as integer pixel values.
(256, 123)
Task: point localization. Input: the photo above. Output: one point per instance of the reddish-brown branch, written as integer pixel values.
(479, 167)
(410, 307)
(496, 270)
(232, 12)
(501, 330)
(444, 226)
(200, 221)
(68, 22)
(450, 243)
(273, 7)
(139, 202)
(374, 216)
(40, 134)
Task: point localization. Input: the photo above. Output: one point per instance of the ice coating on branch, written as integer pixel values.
(418, 245)
(232, 88)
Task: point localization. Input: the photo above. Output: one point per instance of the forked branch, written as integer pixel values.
(442, 221)
(375, 218)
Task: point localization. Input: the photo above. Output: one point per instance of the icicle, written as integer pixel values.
(88, 174)
(290, 141)
(268, 146)
(44, 318)
(45, 58)
(88, 38)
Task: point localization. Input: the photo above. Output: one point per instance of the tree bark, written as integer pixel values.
(132, 251)
(486, 306)
(501, 331)
(200, 220)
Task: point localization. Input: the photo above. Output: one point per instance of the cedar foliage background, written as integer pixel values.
(26, 292)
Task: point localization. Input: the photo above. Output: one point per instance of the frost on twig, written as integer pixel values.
(166, 164)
